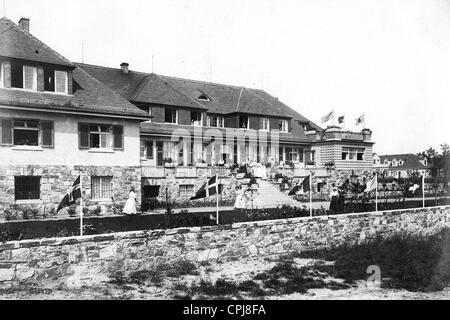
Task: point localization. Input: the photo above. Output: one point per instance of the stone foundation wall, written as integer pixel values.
(78, 260)
(56, 180)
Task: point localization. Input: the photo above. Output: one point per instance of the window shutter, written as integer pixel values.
(142, 148)
(60, 81)
(6, 132)
(118, 137)
(83, 136)
(47, 133)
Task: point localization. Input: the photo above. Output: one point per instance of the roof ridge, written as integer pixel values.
(107, 88)
(80, 64)
(14, 25)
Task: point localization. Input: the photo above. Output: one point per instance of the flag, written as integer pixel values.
(371, 185)
(304, 185)
(341, 119)
(328, 116)
(72, 195)
(208, 189)
(414, 188)
(360, 120)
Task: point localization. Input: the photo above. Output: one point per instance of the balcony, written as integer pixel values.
(183, 172)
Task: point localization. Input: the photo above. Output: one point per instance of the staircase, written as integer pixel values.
(270, 196)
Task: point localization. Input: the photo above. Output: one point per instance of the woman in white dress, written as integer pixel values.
(239, 202)
(130, 205)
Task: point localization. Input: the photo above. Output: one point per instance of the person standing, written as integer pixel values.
(334, 196)
(130, 205)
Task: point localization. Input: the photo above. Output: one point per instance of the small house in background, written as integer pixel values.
(401, 165)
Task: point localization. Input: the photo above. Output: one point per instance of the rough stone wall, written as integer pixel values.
(56, 180)
(79, 259)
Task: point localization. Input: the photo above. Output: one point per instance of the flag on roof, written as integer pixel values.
(328, 116)
(360, 120)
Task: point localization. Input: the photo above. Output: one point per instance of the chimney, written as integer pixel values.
(124, 67)
(24, 23)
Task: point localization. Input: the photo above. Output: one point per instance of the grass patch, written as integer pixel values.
(154, 275)
(414, 263)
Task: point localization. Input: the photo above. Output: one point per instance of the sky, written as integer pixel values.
(387, 59)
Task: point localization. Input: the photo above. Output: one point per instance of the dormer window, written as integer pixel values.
(265, 124)
(284, 126)
(244, 122)
(386, 161)
(196, 118)
(203, 97)
(55, 80)
(23, 76)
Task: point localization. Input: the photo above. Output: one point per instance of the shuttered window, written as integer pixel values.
(47, 133)
(6, 132)
(100, 136)
(29, 78)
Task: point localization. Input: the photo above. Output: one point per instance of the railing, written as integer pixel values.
(183, 172)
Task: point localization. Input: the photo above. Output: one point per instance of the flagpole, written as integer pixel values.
(310, 194)
(81, 204)
(423, 190)
(217, 197)
(376, 191)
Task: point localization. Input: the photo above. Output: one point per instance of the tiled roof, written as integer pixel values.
(224, 99)
(17, 43)
(91, 97)
(410, 161)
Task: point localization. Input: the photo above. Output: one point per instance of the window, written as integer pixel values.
(26, 132)
(21, 132)
(203, 97)
(150, 191)
(100, 136)
(27, 187)
(196, 118)
(292, 154)
(215, 121)
(148, 149)
(55, 80)
(186, 191)
(284, 126)
(29, 78)
(265, 124)
(244, 122)
(101, 187)
(353, 154)
(171, 116)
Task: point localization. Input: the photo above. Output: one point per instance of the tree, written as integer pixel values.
(440, 164)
